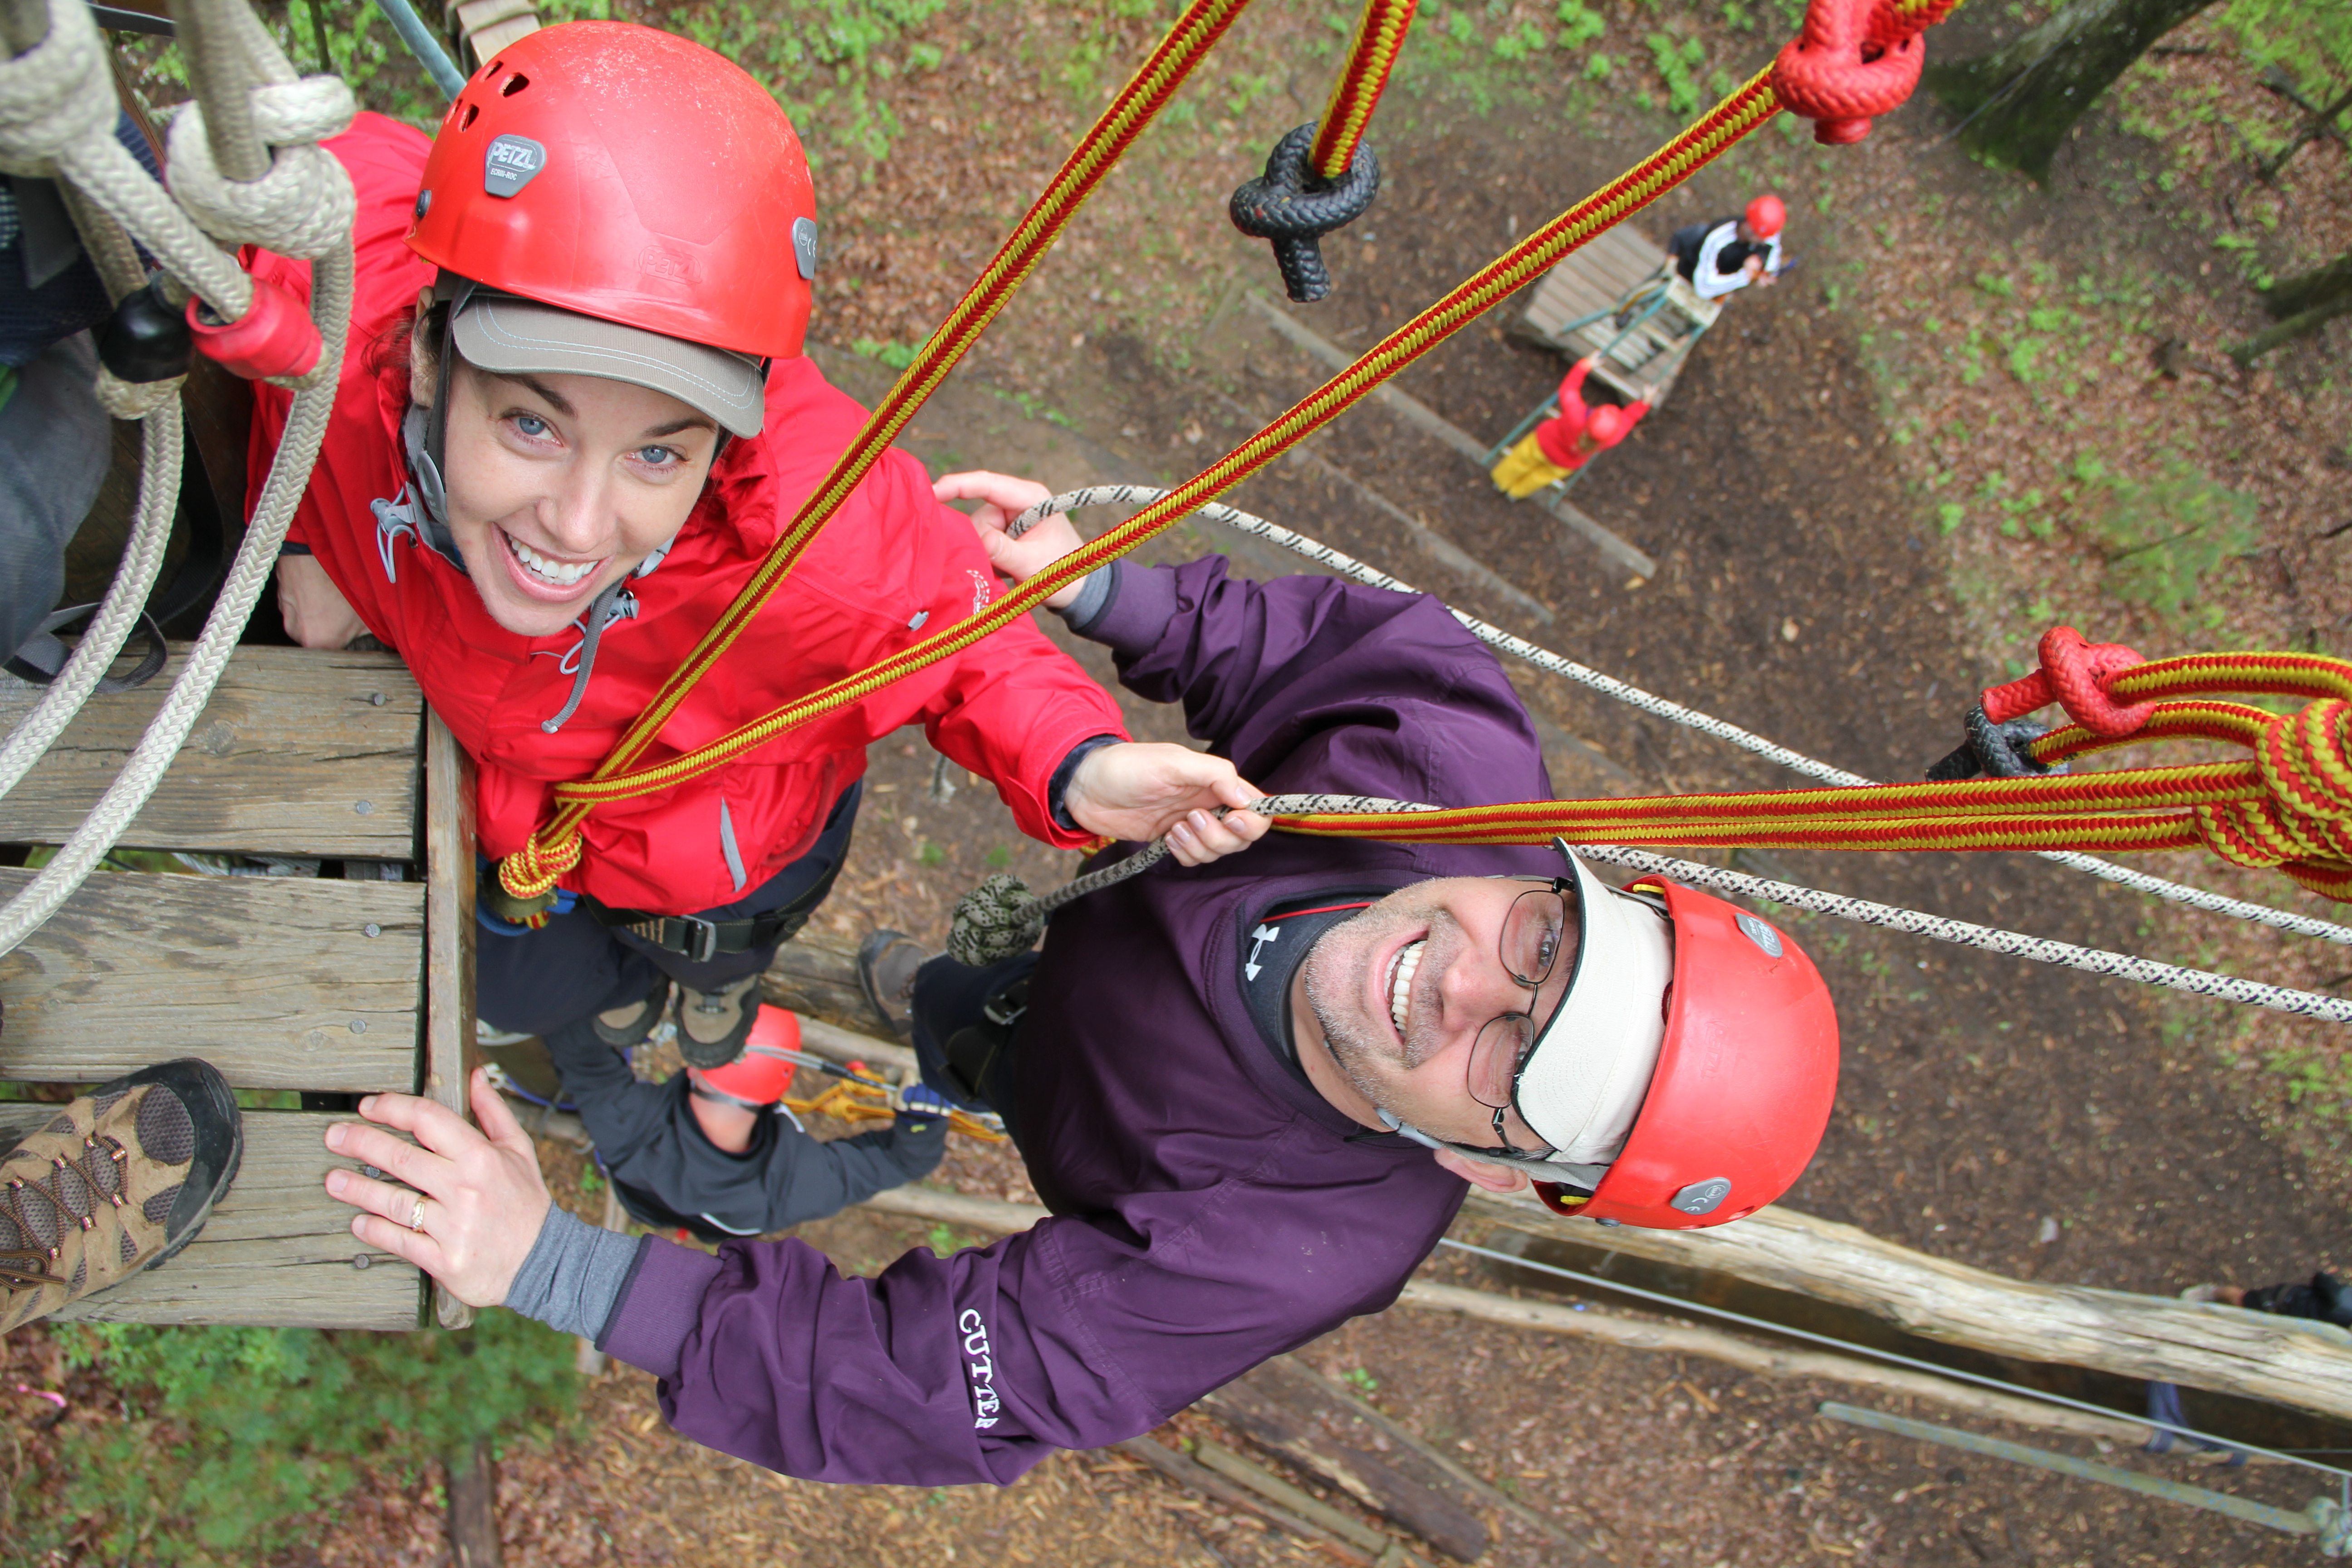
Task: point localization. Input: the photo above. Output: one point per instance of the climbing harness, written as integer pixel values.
(244, 169)
(1002, 917)
(532, 871)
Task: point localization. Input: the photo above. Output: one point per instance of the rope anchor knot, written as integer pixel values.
(1856, 59)
(1294, 208)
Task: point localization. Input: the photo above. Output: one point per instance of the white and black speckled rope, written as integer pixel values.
(1942, 928)
(1001, 917)
(1660, 707)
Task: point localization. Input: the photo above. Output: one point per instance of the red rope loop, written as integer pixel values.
(1856, 59)
(2075, 672)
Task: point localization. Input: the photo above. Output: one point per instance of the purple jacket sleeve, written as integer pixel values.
(1308, 683)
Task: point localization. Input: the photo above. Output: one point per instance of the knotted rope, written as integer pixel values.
(1321, 176)
(304, 204)
(57, 111)
(1855, 59)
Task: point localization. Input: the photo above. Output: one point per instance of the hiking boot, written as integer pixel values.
(627, 1025)
(116, 1181)
(886, 963)
(713, 1026)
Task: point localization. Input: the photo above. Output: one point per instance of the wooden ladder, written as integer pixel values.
(284, 983)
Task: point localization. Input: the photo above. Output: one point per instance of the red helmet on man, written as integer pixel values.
(1766, 214)
(649, 190)
(1746, 1071)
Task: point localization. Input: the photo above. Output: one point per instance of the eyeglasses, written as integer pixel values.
(1535, 930)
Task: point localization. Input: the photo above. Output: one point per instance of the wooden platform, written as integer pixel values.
(1598, 276)
(304, 982)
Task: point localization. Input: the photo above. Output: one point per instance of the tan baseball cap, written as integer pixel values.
(507, 336)
(1590, 1070)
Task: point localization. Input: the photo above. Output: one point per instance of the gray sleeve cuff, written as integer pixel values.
(573, 1277)
(1095, 595)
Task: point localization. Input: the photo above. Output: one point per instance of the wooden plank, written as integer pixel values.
(451, 1049)
(278, 1251)
(299, 751)
(1294, 1416)
(274, 980)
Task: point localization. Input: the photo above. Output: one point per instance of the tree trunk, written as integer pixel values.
(473, 1509)
(2309, 291)
(2304, 304)
(2023, 98)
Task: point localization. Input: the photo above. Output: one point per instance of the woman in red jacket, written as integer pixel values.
(576, 417)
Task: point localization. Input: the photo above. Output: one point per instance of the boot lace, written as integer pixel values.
(69, 1190)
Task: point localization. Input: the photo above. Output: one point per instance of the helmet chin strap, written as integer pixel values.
(1587, 1177)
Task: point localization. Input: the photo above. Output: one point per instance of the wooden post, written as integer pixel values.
(450, 1052)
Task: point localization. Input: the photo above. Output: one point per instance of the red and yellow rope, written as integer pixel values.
(1380, 39)
(1738, 115)
(2289, 806)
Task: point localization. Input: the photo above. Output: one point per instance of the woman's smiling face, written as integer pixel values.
(559, 485)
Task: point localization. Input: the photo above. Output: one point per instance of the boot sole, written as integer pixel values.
(220, 1144)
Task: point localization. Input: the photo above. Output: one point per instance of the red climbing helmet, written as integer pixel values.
(1743, 1081)
(624, 174)
(1605, 425)
(1766, 214)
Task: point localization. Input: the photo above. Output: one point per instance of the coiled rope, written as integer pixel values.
(57, 111)
(531, 871)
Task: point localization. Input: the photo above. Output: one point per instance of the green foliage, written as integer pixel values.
(1578, 25)
(828, 61)
(233, 1431)
(2162, 536)
(1360, 1380)
(1677, 63)
(931, 854)
(2312, 41)
(897, 356)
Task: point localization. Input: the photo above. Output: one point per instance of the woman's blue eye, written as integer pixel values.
(656, 457)
(531, 424)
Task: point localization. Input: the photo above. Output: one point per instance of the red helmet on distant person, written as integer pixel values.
(630, 176)
(1745, 1075)
(1606, 424)
(1766, 214)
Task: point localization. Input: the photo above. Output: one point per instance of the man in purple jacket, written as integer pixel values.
(1250, 1091)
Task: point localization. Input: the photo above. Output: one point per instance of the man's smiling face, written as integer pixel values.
(1400, 992)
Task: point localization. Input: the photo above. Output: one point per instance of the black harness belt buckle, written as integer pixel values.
(696, 937)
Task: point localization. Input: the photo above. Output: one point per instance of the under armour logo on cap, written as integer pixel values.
(510, 164)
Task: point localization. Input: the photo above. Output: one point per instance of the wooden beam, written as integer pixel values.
(278, 1251)
(451, 1050)
(2288, 1361)
(299, 751)
(279, 981)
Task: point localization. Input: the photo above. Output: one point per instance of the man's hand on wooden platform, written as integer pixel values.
(474, 1201)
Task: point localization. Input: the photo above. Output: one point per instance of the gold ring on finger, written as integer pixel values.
(416, 1216)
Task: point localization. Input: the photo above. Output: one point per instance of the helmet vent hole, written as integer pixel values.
(515, 84)
(472, 110)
